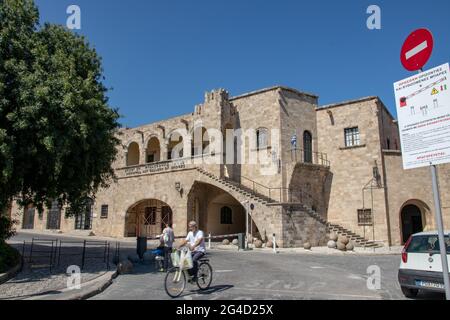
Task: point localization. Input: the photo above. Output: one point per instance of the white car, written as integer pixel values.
(421, 266)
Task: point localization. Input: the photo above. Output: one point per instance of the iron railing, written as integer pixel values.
(302, 156)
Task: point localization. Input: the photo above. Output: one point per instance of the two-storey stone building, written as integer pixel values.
(296, 169)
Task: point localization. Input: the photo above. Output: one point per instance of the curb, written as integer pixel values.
(88, 289)
(4, 277)
(309, 252)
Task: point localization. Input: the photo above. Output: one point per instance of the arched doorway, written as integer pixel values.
(147, 218)
(307, 147)
(411, 221)
(217, 212)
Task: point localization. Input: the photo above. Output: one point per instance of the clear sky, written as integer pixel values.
(161, 56)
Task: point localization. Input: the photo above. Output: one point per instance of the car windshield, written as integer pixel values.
(427, 244)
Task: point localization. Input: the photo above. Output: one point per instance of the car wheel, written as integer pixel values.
(410, 293)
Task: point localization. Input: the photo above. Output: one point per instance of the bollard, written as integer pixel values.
(209, 241)
(241, 241)
(274, 244)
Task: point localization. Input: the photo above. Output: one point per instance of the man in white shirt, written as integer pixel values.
(196, 242)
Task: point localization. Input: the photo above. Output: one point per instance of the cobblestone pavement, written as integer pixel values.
(36, 277)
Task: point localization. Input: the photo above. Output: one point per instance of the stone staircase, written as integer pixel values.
(356, 238)
(247, 192)
(264, 200)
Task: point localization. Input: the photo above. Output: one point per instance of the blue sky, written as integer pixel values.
(161, 56)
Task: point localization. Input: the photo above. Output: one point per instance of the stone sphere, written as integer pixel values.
(341, 246)
(331, 244)
(343, 240)
(258, 244)
(269, 244)
(235, 242)
(307, 245)
(226, 242)
(350, 246)
(124, 267)
(333, 236)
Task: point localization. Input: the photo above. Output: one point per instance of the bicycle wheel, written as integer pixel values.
(174, 282)
(204, 275)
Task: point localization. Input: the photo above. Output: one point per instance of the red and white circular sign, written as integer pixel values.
(417, 49)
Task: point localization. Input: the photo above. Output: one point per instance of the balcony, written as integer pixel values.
(179, 164)
(302, 156)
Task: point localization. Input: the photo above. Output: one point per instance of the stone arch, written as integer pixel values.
(199, 140)
(205, 202)
(153, 149)
(146, 218)
(176, 144)
(414, 216)
(133, 154)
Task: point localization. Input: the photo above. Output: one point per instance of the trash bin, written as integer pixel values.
(141, 246)
(241, 241)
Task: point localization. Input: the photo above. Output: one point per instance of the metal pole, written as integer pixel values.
(245, 203)
(373, 216)
(364, 214)
(440, 227)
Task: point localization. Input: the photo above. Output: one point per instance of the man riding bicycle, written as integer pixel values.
(196, 243)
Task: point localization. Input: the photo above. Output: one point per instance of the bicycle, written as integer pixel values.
(175, 280)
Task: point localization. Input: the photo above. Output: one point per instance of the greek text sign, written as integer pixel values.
(423, 110)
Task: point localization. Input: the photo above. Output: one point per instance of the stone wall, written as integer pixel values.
(299, 227)
(414, 187)
(352, 167)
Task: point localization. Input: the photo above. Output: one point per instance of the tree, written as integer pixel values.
(57, 132)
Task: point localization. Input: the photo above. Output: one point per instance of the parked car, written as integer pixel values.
(421, 265)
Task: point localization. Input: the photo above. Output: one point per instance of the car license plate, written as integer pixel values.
(428, 284)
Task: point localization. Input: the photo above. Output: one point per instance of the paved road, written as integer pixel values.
(263, 275)
(257, 275)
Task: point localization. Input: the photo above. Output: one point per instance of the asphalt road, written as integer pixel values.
(256, 275)
(264, 275)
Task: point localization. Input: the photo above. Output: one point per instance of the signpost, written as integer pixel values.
(423, 109)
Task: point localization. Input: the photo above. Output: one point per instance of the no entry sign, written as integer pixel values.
(417, 49)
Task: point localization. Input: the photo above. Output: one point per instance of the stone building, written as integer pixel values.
(295, 169)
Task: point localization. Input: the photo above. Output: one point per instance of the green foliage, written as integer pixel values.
(57, 132)
(9, 257)
(6, 228)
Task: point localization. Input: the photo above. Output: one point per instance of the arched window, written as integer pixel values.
(226, 215)
(133, 154)
(307, 146)
(175, 146)
(261, 138)
(153, 151)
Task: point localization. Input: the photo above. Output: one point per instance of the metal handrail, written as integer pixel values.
(318, 158)
(273, 193)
